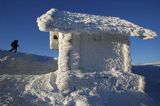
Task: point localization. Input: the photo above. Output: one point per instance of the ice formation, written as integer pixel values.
(94, 61)
(71, 22)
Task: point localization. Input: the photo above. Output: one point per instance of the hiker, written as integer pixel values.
(14, 45)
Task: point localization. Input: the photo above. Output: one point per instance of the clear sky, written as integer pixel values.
(18, 21)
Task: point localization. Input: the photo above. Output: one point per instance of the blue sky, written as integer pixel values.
(18, 21)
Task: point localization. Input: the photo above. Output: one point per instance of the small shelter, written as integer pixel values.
(90, 42)
(94, 65)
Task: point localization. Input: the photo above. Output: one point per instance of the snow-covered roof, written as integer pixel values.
(65, 21)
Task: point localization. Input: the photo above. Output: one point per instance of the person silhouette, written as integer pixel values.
(14, 46)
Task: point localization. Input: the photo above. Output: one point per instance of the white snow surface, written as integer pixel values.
(109, 88)
(22, 63)
(64, 21)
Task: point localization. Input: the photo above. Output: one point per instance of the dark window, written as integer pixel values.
(55, 37)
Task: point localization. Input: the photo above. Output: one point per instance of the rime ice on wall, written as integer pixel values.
(95, 52)
(90, 53)
(74, 60)
(63, 60)
(103, 52)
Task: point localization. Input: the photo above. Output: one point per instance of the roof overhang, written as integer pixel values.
(63, 21)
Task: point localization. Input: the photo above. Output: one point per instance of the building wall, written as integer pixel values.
(75, 51)
(99, 52)
(90, 53)
(93, 52)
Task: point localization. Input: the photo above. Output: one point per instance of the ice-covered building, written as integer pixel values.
(91, 45)
(91, 42)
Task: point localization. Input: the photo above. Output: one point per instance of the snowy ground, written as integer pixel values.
(32, 83)
(22, 63)
(18, 72)
(152, 79)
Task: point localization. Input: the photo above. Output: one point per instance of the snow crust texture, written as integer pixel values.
(107, 88)
(66, 21)
(21, 63)
(103, 52)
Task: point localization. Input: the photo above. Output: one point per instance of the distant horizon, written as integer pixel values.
(18, 21)
(56, 57)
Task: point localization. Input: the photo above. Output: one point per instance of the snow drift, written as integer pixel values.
(90, 89)
(22, 63)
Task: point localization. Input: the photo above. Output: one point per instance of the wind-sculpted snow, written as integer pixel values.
(21, 63)
(68, 22)
(85, 89)
(107, 88)
(90, 90)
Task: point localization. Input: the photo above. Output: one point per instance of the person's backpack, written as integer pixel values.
(12, 44)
